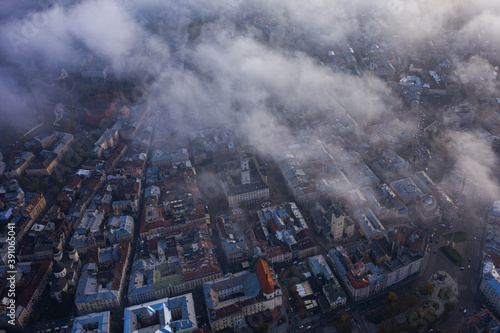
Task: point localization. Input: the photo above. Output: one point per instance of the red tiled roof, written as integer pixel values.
(93, 116)
(274, 252)
(153, 245)
(211, 269)
(30, 281)
(93, 184)
(227, 311)
(272, 225)
(264, 275)
(357, 284)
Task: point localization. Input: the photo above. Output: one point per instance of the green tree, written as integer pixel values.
(262, 328)
(116, 196)
(383, 327)
(114, 326)
(366, 258)
(414, 300)
(35, 183)
(392, 296)
(427, 289)
(343, 315)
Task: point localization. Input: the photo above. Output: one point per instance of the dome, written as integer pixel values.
(70, 248)
(57, 267)
(429, 201)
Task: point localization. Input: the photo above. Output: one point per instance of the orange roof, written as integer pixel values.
(272, 225)
(264, 275)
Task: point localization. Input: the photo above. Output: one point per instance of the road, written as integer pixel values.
(467, 279)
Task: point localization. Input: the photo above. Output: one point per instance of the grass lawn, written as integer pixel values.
(442, 294)
(452, 254)
(457, 237)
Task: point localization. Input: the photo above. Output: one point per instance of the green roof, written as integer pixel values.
(323, 302)
(333, 292)
(162, 282)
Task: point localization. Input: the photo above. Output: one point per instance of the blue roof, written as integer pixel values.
(495, 209)
(491, 277)
(163, 307)
(102, 319)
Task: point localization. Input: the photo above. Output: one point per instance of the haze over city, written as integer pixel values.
(256, 165)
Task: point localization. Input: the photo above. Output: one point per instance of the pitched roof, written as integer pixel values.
(264, 275)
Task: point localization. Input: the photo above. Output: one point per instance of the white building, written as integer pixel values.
(490, 284)
(232, 298)
(175, 314)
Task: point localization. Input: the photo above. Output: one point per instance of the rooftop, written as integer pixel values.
(175, 314)
(93, 321)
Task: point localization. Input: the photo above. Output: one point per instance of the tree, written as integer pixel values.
(414, 300)
(300, 304)
(116, 196)
(366, 258)
(35, 183)
(427, 289)
(262, 328)
(64, 207)
(383, 327)
(386, 312)
(392, 296)
(343, 315)
(115, 327)
(395, 307)
(448, 307)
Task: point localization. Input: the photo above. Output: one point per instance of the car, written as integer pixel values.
(475, 237)
(434, 251)
(468, 266)
(465, 311)
(462, 268)
(308, 327)
(301, 326)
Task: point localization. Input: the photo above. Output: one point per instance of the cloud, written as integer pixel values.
(476, 164)
(225, 60)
